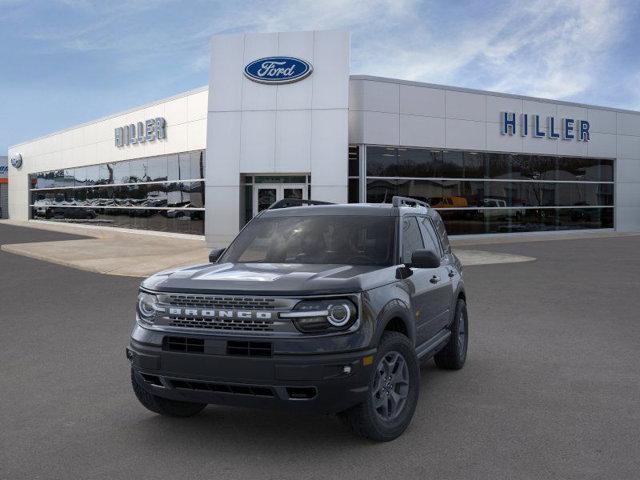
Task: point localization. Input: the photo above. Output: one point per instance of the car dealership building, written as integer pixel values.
(283, 118)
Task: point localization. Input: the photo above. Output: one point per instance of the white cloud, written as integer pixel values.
(562, 49)
(540, 48)
(547, 49)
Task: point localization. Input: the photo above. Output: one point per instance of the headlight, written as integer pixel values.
(147, 306)
(316, 316)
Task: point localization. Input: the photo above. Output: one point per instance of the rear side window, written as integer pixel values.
(411, 238)
(442, 233)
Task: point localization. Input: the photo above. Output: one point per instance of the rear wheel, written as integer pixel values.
(393, 392)
(164, 406)
(454, 354)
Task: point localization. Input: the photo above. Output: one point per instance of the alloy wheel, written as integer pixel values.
(390, 386)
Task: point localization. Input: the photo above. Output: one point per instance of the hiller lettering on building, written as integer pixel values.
(525, 124)
(147, 131)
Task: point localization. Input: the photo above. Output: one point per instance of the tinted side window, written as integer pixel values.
(430, 238)
(442, 233)
(411, 238)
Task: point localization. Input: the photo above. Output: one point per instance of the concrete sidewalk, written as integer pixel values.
(112, 251)
(140, 253)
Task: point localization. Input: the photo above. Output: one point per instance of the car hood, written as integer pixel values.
(270, 279)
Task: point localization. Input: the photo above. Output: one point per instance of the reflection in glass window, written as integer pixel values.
(121, 172)
(45, 180)
(189, 166)
(381, 191)
(412, 162)
(498, 165)
(58, 179)
(92, 175)
(382, 162)
(196, 194)
(142, 197)
(197, 164)
(173, 167)
(157, 169)
(442, 233)
(156, 195)
(105, 175)
(80, 175)
(354, 161)
(475, 165)
(429, 236)
(483, 192)
(526, 220)
(354, 190)
(453, 164)
(350, 240)
(138, 170)
(160, 220)
(411, 238)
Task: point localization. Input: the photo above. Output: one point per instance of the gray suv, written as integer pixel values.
(318, 307)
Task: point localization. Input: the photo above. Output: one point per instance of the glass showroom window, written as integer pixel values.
(353, 189)
(481, 192)
(163, 193)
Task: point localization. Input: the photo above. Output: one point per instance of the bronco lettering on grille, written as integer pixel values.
(207, 312)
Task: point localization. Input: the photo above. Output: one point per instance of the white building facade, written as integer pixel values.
(283, 118)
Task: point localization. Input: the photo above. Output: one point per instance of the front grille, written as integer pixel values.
(249, 349)
(217, 301)
(254, 390)
(183, 344)
(244, 325)
(237, 314)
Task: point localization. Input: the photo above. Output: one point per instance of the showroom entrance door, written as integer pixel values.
(266, 194)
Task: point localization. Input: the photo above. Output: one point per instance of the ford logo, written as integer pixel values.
(278, 70)
(16, 160)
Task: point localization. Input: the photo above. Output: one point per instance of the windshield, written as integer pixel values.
(348, 240)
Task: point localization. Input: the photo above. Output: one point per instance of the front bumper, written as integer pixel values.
(325, 383)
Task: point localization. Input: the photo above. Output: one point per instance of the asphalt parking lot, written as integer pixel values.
(551, 388)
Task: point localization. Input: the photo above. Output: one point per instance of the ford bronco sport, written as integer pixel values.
(321, 307)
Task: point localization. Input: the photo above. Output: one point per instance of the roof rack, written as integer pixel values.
(296, 202)
(397, 201)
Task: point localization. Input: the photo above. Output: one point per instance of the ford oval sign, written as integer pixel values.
(16, 160)
(278, 70)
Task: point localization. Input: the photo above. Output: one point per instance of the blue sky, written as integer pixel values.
(66, 62)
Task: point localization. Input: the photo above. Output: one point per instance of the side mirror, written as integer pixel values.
(424, 259)
(215, 254)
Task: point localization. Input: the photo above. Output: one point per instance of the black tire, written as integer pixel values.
(454, 354)
(366, 418)
(164, 406)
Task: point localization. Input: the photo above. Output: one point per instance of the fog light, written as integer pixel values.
(346, 369)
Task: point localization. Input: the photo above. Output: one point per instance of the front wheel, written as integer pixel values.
(164, 406)
(454, 354)
(393, 392)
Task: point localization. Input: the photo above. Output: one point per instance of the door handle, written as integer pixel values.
(435, 279)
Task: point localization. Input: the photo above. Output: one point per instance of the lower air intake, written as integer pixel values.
(249, 349)
(253, 390)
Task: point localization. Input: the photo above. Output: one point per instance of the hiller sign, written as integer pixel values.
(566, 128)
(147, 131)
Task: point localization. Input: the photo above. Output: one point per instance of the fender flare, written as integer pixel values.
(392, 310)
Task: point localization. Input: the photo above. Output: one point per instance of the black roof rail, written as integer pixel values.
(397, 201)
(296, 202)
